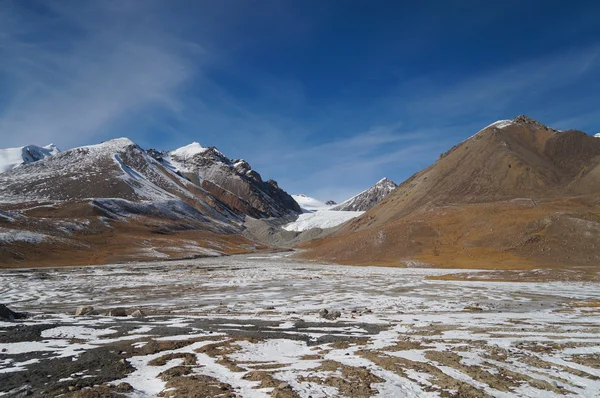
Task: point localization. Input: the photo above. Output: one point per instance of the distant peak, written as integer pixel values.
(119, 141)
(385, 180)
(522, 119)
(115, 143)
(597, 135)
(189, 150)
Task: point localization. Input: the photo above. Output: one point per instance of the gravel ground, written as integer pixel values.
(254, 326)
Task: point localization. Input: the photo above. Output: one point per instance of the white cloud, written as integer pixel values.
(73, 91)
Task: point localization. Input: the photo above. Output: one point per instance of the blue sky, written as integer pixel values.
(326, 97)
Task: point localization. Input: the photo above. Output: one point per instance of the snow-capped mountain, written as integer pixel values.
(117, 177)
(11, 158)
(310, 205)
(115, 199)
(232, 181)
(369, 198)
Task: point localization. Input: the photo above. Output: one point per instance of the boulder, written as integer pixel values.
(329, 315)
(117, 312)
(124, 387)
(138, 314)
(85, 310)
(6, 314)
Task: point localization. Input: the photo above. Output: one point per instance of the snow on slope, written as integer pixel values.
(310, 205)
(368, 198)
(14, 157)
(189, 150)
(321, 219)
(499, 124)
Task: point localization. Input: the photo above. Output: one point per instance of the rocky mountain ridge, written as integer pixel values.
(368, 198)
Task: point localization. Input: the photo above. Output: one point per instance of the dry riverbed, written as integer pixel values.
(249, 326)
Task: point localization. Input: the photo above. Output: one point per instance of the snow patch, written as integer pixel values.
(15, 235)
(499, 124)
(75, 332)
(189, 150)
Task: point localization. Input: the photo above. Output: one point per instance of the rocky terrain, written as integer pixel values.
(517, 194)
(273, 326)
(369, 198)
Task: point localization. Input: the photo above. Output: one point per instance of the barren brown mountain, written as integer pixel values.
(515, 195)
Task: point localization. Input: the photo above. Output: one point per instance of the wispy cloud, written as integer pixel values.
(73, 88)
(528, 85)
(78, 72)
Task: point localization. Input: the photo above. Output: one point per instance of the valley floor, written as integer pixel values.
(250, 326)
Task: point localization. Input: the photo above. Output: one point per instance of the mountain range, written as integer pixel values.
(115, 201)
(517, 194)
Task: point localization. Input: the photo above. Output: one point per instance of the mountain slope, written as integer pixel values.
(110, 195)
(11, 158)
(368, 198)
(516, 194)
(233, 182)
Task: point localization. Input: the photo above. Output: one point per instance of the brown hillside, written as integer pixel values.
(516, 195)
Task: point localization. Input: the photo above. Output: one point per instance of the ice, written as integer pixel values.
(321, 219)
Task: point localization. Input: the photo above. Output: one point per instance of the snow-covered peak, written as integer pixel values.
(189, 150)
(597, 135)
(368, 198)
(385, 180)
(14, 157)
(310, 205)
(113, 145)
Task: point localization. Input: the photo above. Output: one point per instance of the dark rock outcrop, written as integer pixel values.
(6, 314)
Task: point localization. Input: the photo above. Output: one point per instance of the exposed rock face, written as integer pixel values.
(233, 182)
(516, 194)
(6, 314)
(369, 198)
